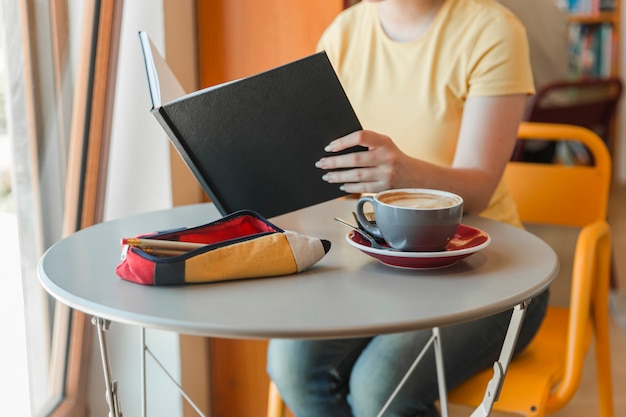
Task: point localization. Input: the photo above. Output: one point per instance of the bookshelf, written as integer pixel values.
(594, 44)
(594, 37)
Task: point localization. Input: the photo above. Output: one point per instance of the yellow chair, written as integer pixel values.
(544, 377)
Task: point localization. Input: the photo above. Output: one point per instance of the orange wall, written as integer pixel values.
(238, 38)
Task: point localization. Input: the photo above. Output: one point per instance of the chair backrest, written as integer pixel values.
(572, 196)
(590, 103)
(558, 194)
(546, 375)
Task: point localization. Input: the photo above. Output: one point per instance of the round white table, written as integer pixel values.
(346, 294)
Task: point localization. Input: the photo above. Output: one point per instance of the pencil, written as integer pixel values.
(171, 245)
(161, 252)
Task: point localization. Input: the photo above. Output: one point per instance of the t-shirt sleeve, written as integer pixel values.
(500, 60)
(332, 40)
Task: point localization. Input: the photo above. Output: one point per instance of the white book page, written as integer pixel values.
(162, 83)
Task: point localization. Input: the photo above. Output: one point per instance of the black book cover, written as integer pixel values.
(252, 143)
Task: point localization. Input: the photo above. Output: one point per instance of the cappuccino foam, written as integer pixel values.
(418, 200)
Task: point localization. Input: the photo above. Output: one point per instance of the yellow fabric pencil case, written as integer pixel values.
(239, 246)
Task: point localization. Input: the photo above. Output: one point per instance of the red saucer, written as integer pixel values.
(467, 241)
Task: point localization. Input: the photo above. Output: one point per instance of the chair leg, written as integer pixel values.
(617, 298)
(275, 404)
(601, 321)
(614, 284)
(603, 363)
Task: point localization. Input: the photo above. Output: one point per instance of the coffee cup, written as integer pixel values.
(412, 219)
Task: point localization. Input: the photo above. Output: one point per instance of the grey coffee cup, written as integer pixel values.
(413, 219)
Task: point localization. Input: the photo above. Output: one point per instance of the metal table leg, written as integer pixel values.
(111, 385)
(441, 374)
(144, 402)
(434, 340)
(146, 350)
(500, 367)
(502, 364)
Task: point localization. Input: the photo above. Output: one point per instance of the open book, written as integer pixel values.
(253, 143)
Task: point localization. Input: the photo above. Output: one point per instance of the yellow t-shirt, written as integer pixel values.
(415, 91)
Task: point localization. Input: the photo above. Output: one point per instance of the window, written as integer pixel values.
(58, 57)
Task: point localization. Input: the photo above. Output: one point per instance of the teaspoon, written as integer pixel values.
(365, 235)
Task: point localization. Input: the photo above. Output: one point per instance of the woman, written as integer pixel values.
(440, 88)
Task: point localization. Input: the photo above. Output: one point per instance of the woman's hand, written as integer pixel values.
(381, 167)
(485, 142)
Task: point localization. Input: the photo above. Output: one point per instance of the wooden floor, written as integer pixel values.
(585, 403)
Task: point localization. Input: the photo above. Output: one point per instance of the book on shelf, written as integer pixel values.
(252, 143)
(591, 52)
(586, 7)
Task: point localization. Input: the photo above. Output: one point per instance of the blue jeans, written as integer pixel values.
(355, 377)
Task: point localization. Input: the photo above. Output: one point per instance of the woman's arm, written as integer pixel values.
(486, 140)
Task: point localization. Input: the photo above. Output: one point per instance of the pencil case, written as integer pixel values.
(238, 246)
